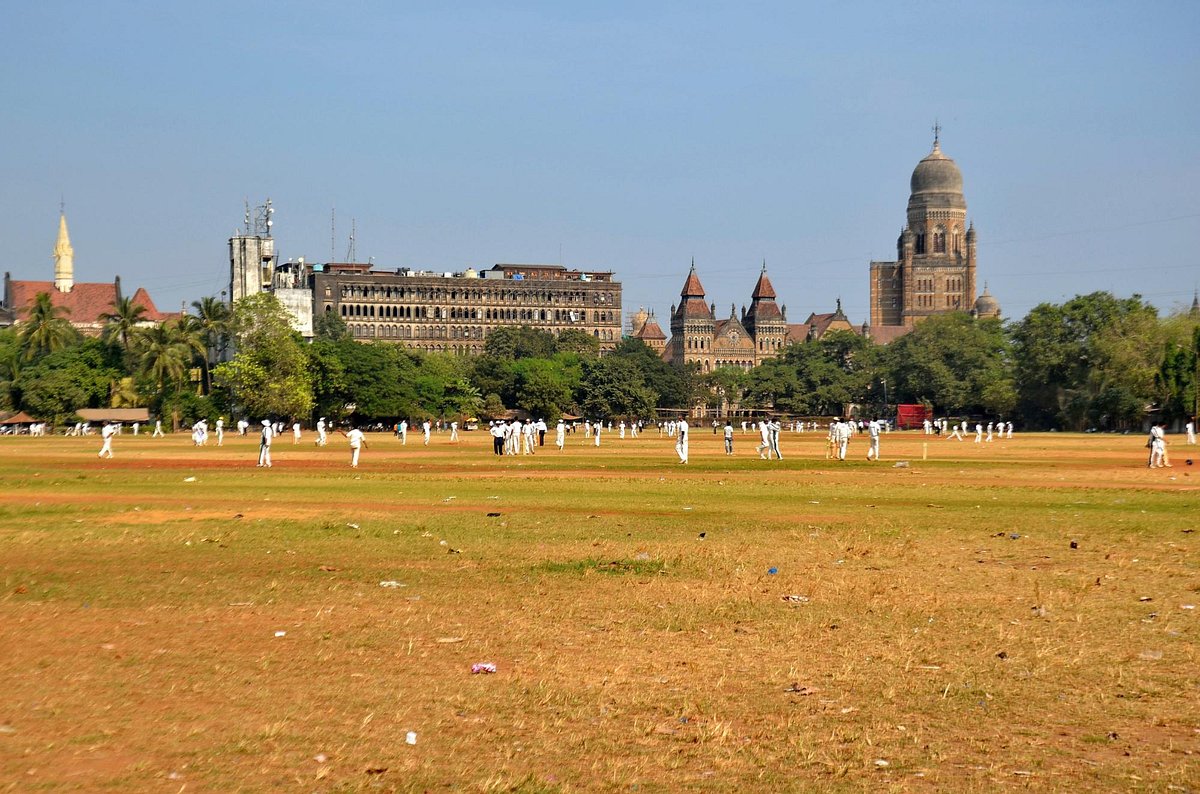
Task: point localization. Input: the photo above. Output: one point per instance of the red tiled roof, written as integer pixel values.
(763, 288)
(692, 288)
(651, 330)
(695, 309)
(86, 301)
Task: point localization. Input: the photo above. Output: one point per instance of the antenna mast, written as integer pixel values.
(351, 255)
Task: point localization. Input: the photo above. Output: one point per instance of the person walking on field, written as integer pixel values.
(454, 431)
(106, 433)
(220, 430)
(1191, 432)
(158, 433)
(773, 428)
(596, 432)
(681, 444)
(560, 435)
(873, 432)
(728, 437)
(357, 440)
(295, 432)
(764, 446)
(426, 426)
(264, 444)
(321, 436)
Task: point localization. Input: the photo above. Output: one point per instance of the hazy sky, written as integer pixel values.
(630, 136)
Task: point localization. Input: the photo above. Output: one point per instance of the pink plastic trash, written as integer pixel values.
(483, 667)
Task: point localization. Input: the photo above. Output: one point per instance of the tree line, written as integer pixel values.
(1095, 361)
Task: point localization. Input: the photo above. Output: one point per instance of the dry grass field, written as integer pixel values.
(1021, 614)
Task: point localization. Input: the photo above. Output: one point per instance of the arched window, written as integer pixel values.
(939, 241)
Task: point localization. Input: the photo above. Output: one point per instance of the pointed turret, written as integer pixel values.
(763, 288)
(1195, 312)
(692, 288)
(64, 258)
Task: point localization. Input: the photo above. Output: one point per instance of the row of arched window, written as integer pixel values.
(480, 295)
(937, 241)
(349, 311)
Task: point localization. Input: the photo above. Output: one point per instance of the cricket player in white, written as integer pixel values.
(454, 431)
(403, 432)
(873, 449)
(295, 432)
(321, 436)
(107, 433)
(773, 428)
(264, 444)
(764, 446)
(596, 432)
(158, 433)
(357, 439)
(728, 437)
(842, 435)
(681, 444)
(560, 435)
(425, 428)
(220, 430)
(1191, 432)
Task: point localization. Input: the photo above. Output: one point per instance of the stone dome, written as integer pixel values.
(986, 305)
(937, 173)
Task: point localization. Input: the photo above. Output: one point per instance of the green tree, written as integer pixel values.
(330, 327)
(212, 321)
(544, 387)
(60, 383)
(955, 362)
(1094, 361)
(816, 377)
(613, 387)
(513, 342)
(673, 387)
(574, 340)
(164, 353)
(268, 377)
(46, 329)
(121, 323)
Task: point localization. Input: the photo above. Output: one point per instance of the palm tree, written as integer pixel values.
(46, 329)
(212, 316)
(163, 356)
(120, 323)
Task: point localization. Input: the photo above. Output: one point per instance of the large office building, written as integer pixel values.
(450, 312)
(453, 312)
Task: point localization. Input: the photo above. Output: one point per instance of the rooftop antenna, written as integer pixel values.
(937, 132)
(246, 218)
(62, 204)
(351, 255)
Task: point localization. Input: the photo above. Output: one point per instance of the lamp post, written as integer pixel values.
(885, 397)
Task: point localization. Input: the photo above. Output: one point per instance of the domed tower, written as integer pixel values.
(638, 321)
(986, 305)
(692, 326)
(935, 268)
(764, 321)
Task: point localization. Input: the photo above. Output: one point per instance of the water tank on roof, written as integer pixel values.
(470, 273)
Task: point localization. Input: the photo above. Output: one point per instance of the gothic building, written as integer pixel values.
(934, 271)
(698, 337)
(85, 303)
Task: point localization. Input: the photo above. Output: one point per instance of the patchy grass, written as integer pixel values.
(729, 625)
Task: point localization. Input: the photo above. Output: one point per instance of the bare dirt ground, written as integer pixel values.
(1014, 614)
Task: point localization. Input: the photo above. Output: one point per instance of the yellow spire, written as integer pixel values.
(64, 258)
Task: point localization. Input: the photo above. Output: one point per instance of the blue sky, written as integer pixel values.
(625, 136)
